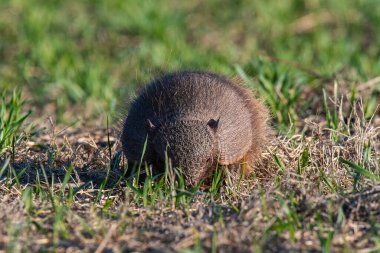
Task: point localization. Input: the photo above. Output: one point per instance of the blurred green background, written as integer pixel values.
(82, 60)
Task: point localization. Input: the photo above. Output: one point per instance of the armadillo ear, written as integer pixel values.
(149, 126)
(213, 124)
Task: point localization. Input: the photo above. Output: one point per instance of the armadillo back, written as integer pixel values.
(192, 96)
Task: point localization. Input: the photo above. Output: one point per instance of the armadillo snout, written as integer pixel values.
(189, 145)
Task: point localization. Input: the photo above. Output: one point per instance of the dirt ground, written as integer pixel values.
(278, 209)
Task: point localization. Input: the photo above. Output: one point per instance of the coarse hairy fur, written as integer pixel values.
(197, 119)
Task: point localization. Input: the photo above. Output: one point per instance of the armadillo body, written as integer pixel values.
(197, 119)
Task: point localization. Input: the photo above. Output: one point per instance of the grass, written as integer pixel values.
(11, 120)
(68, 68)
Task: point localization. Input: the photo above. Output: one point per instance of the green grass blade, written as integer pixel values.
(360, 170)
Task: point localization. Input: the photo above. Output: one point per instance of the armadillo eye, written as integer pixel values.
(213, 123)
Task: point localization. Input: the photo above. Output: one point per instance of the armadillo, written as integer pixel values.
(198, 120)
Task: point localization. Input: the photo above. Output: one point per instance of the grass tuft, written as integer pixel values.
(12, 118)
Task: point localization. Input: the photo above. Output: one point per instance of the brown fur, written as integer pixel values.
(259, 121)
(199, 118)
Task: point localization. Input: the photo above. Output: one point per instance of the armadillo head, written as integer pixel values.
(190, 145)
